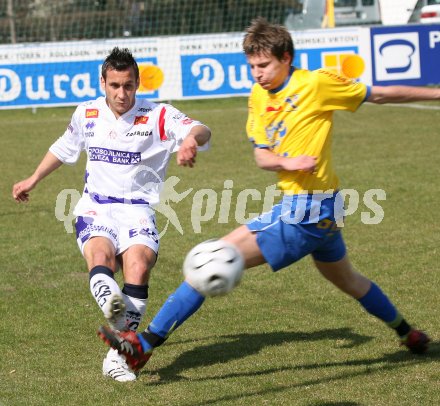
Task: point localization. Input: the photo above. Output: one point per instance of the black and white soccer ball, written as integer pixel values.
(213, 267)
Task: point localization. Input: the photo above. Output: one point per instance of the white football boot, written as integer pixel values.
(114, 312)
(114, 364)
(115, 367)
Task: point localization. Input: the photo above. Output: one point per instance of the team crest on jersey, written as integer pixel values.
(140, 120)
(291, 101)
(92, 113)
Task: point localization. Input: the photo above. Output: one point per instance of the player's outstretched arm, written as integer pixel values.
(20, 191)
(266, 159)
(402, 94)
(198, 136)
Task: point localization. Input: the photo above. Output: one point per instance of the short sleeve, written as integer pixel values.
(336, 92)
(174, 127)
(68, 147)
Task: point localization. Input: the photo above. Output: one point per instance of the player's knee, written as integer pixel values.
(137, 272)
(101, 258)
(99, 251)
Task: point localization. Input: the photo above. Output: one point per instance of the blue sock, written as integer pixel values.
(178, 307)
(377, 303)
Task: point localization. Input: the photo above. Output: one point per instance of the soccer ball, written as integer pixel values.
(213, 267)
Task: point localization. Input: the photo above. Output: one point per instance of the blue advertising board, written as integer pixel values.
(215, 74)
(408, 55)
(228, 73)
(212, 65)
(54, 83)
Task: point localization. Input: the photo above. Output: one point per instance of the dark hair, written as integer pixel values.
(119, 59)
(264, 38)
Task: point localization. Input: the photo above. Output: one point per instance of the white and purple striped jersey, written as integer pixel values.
(127, 157)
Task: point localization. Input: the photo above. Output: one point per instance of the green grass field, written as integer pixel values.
(288, 338)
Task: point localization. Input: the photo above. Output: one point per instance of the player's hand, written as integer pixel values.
(186, 155)
(20, 191)
(303, 163)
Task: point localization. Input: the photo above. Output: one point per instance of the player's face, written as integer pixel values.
(120, 90)
(268, 71)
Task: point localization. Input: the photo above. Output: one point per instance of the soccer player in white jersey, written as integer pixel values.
(128, 142)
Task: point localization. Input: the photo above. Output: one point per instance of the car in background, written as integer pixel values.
(310, 14)
(357, 12)
(431, 12)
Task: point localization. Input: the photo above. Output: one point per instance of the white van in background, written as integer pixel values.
(357, 12)
(431, 12)
(308, 14)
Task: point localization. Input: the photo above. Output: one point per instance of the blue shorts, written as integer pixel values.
(284, 242)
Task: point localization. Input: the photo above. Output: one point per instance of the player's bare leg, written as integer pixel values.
(342, 274)
(246, 242)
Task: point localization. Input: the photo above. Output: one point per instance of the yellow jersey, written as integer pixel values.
(297, 119)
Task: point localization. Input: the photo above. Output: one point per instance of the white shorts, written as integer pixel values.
(123, 224)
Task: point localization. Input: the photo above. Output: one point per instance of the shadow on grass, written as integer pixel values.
(233, 347)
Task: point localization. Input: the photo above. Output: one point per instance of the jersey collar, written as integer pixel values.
(284, 84)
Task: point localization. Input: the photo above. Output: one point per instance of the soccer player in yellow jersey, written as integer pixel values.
(290, 125)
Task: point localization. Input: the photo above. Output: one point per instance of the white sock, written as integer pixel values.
(103, 287)
(134, 311)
